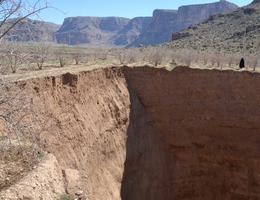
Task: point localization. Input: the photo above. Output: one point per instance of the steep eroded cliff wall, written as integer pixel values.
(148, 133)
(194, 134)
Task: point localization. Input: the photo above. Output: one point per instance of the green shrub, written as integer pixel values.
(65, 197)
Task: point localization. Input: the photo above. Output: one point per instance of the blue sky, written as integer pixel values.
(119, 8)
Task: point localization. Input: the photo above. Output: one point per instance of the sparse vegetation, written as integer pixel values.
(40, 52)
(231, 32)
(17, 159)
(158, 56)
(21, 119)
(62, 55)
(65, 197)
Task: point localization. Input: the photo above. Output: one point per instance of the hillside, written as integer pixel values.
(31, 30)
(235, 31)
(105, 31)
(132, 30)
(165, 22)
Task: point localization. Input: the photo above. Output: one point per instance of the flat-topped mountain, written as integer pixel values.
(165, 22)
(234, 31)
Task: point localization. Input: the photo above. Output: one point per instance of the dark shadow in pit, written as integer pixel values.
(147, 170)
(193, 134)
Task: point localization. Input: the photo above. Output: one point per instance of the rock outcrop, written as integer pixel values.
(223, 32)
(95, 30)
(167, 21)
(132, 30)
(256, 1)
(105, 31)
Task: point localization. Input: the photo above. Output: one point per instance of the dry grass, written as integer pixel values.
(16, 161)
(156, 56)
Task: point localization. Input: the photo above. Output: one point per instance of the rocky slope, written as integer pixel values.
(132, 30)
(31, 30)
(107, 31)
(146, 133)
(167, 21)
(235, 31)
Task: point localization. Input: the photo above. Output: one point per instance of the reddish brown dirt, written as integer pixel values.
(193, 134)
(44, 182)
(92, 115)
(145, 133)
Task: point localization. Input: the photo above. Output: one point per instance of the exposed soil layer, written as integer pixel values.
(193, 134)
(147, 133)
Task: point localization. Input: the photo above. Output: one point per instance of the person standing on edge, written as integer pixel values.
(242, 63)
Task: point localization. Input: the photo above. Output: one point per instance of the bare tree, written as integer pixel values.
(19, 116)
(213, 59)
(253, 61)
(205, 58)
(187, 57)
(132, 55)
(62, 56)
(219, 58)
(21, 9)
(122, 56)
(156, 56)
(14, 55)
(41, 51)
(103, 54)
(77, 55)
(230, 59)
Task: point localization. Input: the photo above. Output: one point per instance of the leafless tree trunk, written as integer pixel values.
(122, 56)
(205, 58)
(188, 57)
(253, 62)
(14, 55)
(156, 56)
(230, 59)
(62, 56)
(20, 117)
(77, 55)
(21, 9)
(41, 51)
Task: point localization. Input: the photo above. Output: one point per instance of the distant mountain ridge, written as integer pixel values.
(165, 22)
(100, 30)
(119, 31)
(30, 30)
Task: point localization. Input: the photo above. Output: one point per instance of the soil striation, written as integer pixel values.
(146, 133)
